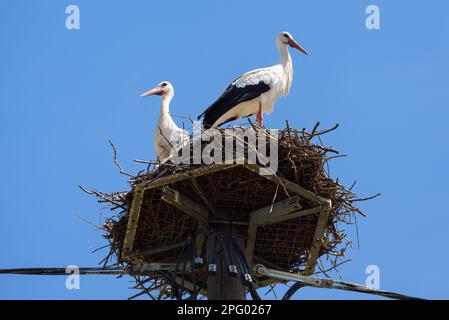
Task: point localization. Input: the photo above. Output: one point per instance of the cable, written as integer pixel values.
(63, 271)
(385, 294)
(293, 289)
(246, 273)
(224, 249)
(192, 267)
(189, 253)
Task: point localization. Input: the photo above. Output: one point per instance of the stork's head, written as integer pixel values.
(163, 89)
(286, 39)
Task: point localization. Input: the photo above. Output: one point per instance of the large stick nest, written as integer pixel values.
(303, 159)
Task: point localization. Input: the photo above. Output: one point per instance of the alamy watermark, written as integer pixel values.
(72, 281)
(73, 20)
(372, 21)
(373, 280)
(226, 146)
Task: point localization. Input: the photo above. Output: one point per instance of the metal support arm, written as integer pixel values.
(261, 270)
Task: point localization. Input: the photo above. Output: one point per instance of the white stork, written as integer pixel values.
(256, 91)
(168, 135)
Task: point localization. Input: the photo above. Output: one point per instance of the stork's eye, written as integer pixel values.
(285, 35)
(164, 84)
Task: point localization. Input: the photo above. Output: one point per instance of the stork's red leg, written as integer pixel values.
(259, 117)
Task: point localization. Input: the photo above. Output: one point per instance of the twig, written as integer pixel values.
(116, 161)
(145, 161)
(366, 199)
(274, 198)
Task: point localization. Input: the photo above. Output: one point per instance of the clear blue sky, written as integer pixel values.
(63, 94)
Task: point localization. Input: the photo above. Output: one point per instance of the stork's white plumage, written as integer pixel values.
(255, 92)
(168, 137)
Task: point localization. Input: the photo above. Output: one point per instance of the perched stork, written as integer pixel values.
(256, 91)
(168, 135)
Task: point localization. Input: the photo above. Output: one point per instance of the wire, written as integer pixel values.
(192, 267)
(293, 289)
(223, 247)
(64, 271)
(381, 293)
(246, 269)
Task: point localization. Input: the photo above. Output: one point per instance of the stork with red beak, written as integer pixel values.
(168, 137)
(255, 92)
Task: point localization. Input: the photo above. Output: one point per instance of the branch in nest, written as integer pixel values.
(316, 133)
(116, 161)
(113, 198)
(366, 199)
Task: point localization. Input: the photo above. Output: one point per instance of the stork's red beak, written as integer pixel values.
(292, 43)
(156, 90)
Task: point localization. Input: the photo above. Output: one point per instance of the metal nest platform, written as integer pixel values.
(287, 220)
(287, 233)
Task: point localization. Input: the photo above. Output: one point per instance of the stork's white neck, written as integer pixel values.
(286, 59)
(165, 117)
(165, 103)
(287, 65)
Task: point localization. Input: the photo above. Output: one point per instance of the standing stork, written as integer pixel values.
(256, 91)
(168, 135)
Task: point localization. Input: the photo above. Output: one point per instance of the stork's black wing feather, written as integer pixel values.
(232, 97)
